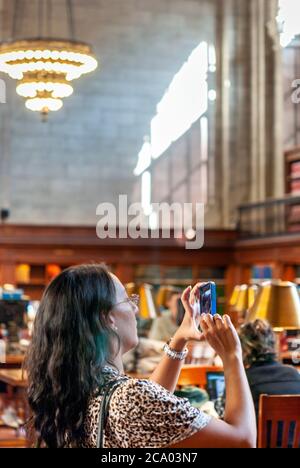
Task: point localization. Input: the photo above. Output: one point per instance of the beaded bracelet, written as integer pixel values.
(171, 353)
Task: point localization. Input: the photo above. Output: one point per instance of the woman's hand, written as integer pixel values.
(188, 330)
(217, 331)
(222, 336)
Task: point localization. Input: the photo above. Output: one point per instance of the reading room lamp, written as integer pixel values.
(278, 302)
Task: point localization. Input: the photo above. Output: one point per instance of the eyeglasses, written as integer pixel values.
(133, 298)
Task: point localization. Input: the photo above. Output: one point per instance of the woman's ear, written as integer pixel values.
(112, 322)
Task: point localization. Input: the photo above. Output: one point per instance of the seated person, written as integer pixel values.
(265, 374)
(144, 358)
(165, 326)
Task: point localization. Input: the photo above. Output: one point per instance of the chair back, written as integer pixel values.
(279, 421)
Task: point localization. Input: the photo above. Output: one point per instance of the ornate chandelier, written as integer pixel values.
(46, 67)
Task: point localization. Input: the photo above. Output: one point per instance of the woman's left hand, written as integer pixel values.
(188, 330)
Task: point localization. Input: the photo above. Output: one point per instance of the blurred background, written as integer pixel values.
(187, 101)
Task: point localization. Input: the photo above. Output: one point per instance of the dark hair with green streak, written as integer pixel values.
(70, 346)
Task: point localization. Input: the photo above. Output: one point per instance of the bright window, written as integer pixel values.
(288, 19)
(183, 103)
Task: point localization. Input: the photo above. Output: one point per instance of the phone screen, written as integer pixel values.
(208, 302)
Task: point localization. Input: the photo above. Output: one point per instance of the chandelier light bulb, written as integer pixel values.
(44, 69)
(44, 105)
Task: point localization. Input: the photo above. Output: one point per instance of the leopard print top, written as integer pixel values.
(142, 414)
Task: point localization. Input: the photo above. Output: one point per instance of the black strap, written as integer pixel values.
(104, 407)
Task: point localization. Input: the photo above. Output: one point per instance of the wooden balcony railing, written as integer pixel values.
(273, 217)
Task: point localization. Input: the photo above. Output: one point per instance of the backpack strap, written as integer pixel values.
(104, 407)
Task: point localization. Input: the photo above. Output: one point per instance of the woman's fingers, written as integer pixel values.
(228, 322)
(193, 299)
(208, 326)
(195, 293)
(210, 322)
(224, 327)
(231, 331)
(220, 326)
(185, 299)
(203, 324)
(210, 332)
(220, 334)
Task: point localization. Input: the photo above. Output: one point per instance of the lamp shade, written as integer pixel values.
(241, 304)
(234, 296)
(243, 297)
(162, 296)
(252, 293)
(277, 302)
(147, 304)
(246, 298)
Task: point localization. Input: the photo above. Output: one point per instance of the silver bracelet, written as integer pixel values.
(171, 353)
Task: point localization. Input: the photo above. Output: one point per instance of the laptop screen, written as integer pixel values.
(215, 385)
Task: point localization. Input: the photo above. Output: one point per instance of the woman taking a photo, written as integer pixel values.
(84, 325)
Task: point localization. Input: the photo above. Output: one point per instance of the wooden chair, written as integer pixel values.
(279, 421)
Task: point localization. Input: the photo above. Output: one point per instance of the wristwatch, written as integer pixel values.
(178, 355)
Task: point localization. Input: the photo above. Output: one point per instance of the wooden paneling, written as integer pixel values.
(283, 249)
(7, 272)
(40, 245)
(67, 245)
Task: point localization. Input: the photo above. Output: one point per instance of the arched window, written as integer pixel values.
(173, 161)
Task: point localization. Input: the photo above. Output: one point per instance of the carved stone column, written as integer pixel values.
(249, 115)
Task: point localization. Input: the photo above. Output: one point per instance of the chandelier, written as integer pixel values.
(46, 67)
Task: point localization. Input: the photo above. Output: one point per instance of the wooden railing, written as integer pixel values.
(273, 217)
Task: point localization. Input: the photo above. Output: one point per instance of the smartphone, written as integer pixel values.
(208, 298)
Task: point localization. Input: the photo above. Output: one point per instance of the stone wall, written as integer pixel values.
(57, 172)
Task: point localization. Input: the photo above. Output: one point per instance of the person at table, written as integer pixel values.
(84, 324)
(165, 326)
(266, 376)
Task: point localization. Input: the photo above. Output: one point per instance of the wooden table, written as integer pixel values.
(15, 378)
(12, 361)
(190, 375)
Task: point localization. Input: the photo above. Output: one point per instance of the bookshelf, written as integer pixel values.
(181, 277)
(261, 273)
(159, 262)
(292, 162)
(33, 279)
(292, 187)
